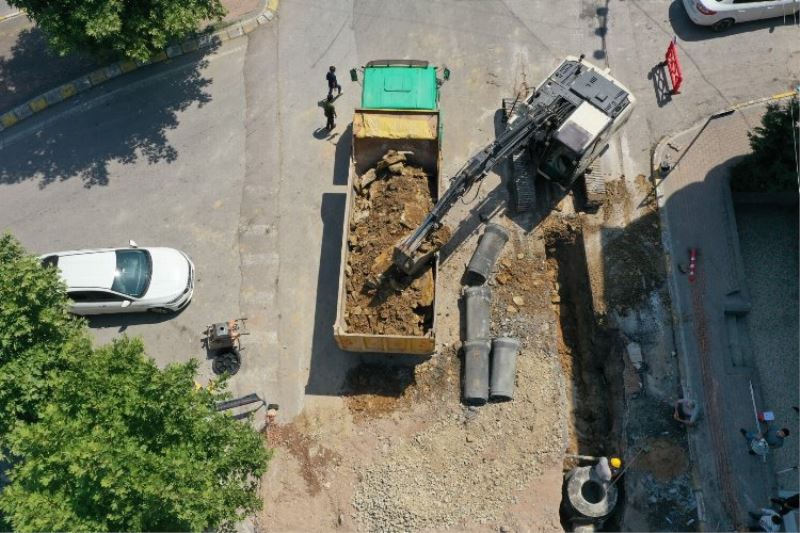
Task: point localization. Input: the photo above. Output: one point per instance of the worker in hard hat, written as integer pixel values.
(605, 470)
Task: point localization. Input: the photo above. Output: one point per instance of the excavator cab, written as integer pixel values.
(600, 105)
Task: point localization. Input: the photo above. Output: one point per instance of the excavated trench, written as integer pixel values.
(590, 358)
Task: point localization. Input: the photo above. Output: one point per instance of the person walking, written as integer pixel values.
(773, 438)
(330, 112)
(787, 504)
(332, 82)
(768, 520)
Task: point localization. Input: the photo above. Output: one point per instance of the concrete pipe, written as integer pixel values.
(491, 244)
(587, 499)
(504, 368)
(476, 372)
(478, 307)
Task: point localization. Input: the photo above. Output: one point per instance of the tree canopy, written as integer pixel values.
(107, 28)
(38, 337)
(101, 439)
(773, 164)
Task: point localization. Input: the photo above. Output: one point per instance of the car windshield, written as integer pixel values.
(132, 275)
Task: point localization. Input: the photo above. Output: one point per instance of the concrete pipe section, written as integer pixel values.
(588, 501)
(478, 307)
(476, 372)
(504, 368)
(491, 244)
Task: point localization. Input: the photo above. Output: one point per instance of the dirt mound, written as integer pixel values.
(392, 200)
(312, 457)
(665, 459)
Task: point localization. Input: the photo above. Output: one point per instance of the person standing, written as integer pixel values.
(606, 470)
(332, 82)
(330, 112)
(768, 520)
(773, 438)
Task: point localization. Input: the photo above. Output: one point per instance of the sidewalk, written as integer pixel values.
(716, 354)
(28, 68)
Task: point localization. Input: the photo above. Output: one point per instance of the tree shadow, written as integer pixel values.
(109, 128)
(32, 68)
(686, 30)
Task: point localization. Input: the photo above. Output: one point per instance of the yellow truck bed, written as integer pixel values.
(374, 133)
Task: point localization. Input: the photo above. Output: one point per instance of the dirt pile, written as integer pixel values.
(470, 465)
(392, 200)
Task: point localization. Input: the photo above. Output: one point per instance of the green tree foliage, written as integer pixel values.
(105, 440)
(38, 337)
(772, 165)
(136, 29)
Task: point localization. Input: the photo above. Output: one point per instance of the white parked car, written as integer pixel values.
(722, 14)
(125, 280)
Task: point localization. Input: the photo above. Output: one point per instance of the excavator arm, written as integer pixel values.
(526, 125)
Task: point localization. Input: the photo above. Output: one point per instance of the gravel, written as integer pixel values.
(471, 464)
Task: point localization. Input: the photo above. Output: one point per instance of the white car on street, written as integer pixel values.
(722, 14)
(125, 280)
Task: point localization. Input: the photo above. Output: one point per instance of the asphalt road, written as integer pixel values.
(221, 156)
(6, 9)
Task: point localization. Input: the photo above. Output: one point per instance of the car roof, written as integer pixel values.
(92, 269)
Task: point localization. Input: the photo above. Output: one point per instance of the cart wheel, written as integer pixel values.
(228, 361)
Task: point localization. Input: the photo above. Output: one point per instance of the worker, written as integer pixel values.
(787, 504)
(768, 520)
(606, 470)
(686, 412)
(332, 82)
(330, 112)
(272, 413)
(760, 442)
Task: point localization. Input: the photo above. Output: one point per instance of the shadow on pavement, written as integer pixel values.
(658, 75)
(123, 320)
(687, 30)
(329, 365)
(85, 145)
(341, 164)
(29, 68)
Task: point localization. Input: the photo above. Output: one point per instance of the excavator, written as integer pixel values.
(556, 132)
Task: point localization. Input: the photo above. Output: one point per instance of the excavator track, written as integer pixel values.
(523, 192)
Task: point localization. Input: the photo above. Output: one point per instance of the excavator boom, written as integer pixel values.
(564, 124)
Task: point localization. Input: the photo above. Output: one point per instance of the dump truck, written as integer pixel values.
(399, 112)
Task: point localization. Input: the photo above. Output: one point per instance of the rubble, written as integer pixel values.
(392, 199)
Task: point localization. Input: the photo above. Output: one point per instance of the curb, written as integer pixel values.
(225, 32)
(11, 16)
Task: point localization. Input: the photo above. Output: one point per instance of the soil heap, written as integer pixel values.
(391, 200)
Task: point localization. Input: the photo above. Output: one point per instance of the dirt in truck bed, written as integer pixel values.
(391, 200)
